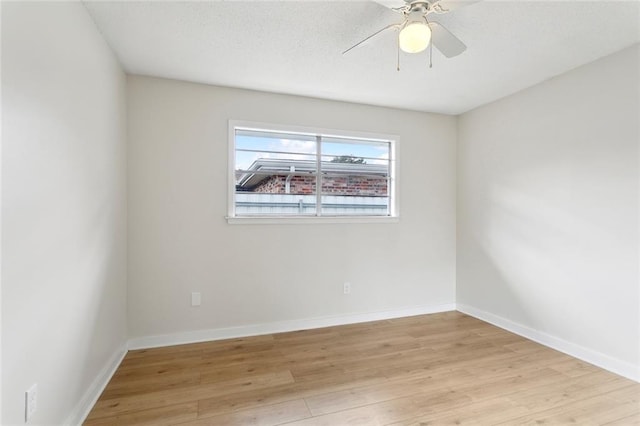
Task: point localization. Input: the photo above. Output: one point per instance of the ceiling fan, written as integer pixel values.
(417, 31)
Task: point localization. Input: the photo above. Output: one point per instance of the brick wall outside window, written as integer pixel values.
(334, 185)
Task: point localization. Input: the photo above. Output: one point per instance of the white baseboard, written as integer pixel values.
(598, 359)
(279, 327)
(84, 406)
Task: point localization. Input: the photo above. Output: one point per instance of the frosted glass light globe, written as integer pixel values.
(414, 37)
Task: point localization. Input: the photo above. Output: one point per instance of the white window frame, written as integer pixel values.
(394, 203)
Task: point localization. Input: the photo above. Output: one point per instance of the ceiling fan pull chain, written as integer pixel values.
(431, 54)
(398, 62)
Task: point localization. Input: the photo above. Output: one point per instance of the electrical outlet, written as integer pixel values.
(196, 299)
(30, 402)
(347, 288)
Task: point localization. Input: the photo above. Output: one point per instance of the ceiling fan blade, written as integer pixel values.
(445, 6)
(444, 41)
(391, 4)
(371, 36)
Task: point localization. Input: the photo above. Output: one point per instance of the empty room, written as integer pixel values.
(320, 212)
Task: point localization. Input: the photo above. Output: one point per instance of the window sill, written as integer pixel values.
(267, 220)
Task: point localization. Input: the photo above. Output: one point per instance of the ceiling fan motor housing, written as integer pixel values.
(418, 6)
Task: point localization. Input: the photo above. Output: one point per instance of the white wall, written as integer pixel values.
(0, 224)
(548, 211)
(179, 240)
(64, 208)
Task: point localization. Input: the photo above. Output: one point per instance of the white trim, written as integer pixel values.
(280, 327)
(306, 130)
(394, 181)
(1, 133)
(83, 407)
(279, 220)
(599, 359)
(318, 176)
(231, 162)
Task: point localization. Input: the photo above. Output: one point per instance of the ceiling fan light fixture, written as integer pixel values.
(414, 37)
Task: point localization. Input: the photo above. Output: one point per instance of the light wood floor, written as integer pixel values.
(426, 370)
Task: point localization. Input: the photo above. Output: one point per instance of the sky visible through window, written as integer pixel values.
(301, 149)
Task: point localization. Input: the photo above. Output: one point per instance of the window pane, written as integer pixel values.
(355, 151)
(355, 177)
(274, 135)
(360, 195)
(349, 205)
(275, 174)
(268, 204)
(252, 146)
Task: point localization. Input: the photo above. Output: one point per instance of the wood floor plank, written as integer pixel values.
(632, 420)
(592, 411)
(389, 411)
(221, 372)
(393, 389)
(559, 393)
(574, 367)
(136, 385)
(159, 398)
(437, 369)
(151, 359)
(177, 366)
(269, 415)
(167, 415)
(486, 412)
(298, 389)
(629, 393)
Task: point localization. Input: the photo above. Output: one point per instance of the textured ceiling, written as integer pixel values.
(295, 47)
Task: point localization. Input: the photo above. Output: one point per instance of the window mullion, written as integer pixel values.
(319, 176)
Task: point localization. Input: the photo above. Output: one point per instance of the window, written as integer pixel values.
(275, 172)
